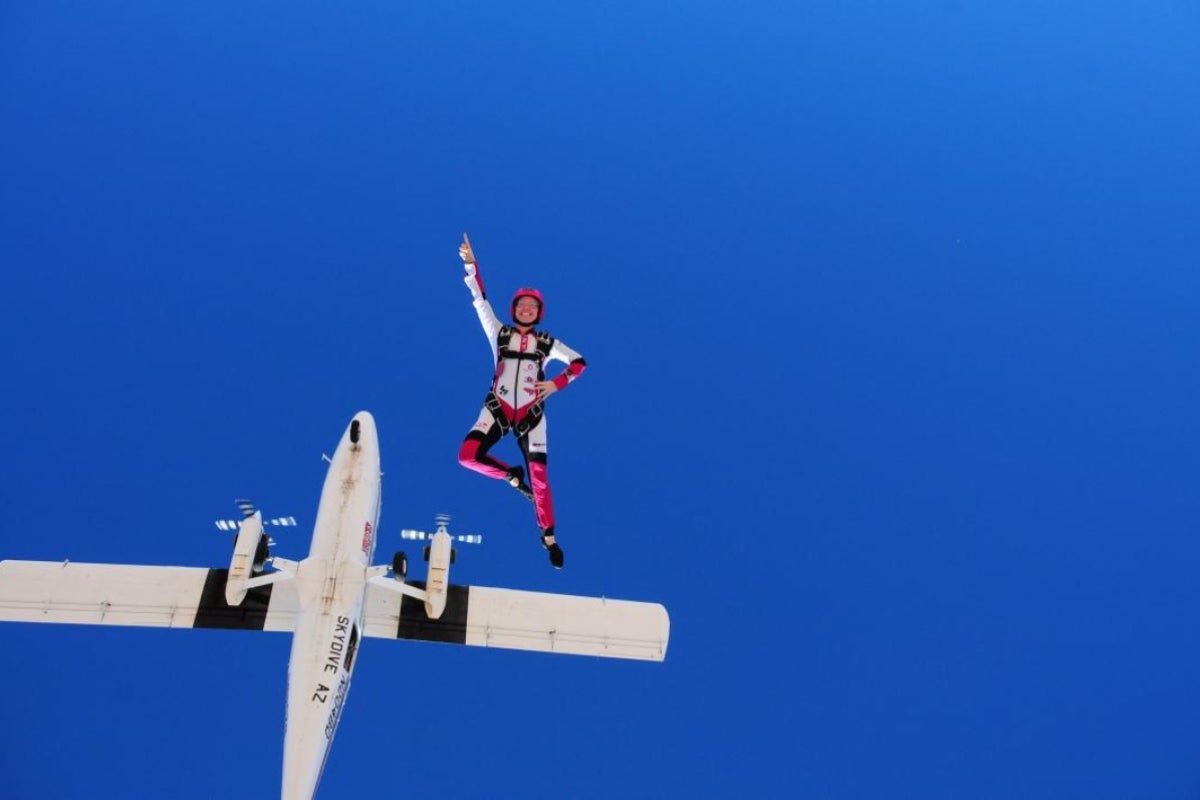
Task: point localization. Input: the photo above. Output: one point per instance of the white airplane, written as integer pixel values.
(329, 601)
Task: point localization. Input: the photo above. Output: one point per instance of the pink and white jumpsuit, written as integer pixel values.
(512, 404)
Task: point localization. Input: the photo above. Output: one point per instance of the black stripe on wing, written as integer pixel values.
(451, 627)
(214, 612)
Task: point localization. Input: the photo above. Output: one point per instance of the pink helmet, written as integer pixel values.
(536, 295)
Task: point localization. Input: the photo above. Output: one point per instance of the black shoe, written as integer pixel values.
(556, 553)
(516, 479)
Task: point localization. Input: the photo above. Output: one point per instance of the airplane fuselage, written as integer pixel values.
(330, 584)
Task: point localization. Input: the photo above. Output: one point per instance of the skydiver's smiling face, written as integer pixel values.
(527, 310)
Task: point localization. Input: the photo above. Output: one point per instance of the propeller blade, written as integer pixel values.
(468, 538)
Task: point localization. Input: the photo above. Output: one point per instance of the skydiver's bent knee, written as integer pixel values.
(468, 451)
(473, 454)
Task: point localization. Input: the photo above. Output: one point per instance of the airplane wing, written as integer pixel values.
(549, 623)
(121, 594)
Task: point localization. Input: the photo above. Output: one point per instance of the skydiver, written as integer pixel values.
(516, 400)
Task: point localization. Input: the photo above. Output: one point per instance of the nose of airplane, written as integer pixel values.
(362, 429)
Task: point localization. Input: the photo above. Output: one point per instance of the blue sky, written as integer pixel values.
(889, 312)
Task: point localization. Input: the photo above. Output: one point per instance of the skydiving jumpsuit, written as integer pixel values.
(512, 404)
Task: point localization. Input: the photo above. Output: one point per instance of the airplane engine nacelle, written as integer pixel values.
(439, 574)
(249, 555)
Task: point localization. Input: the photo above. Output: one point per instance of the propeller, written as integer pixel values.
(443, 521)
(248, 510)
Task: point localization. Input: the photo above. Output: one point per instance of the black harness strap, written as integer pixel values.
(544, 342)
(532, 417)
(493, 405)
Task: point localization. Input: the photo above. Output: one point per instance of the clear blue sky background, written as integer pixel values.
(890, 312)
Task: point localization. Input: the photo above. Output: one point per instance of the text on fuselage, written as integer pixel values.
(333, 659)
(339, 700)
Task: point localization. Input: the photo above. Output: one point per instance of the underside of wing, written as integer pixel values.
(508, 618)
(121, 594)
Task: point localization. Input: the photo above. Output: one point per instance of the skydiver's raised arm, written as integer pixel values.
(487, 317)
